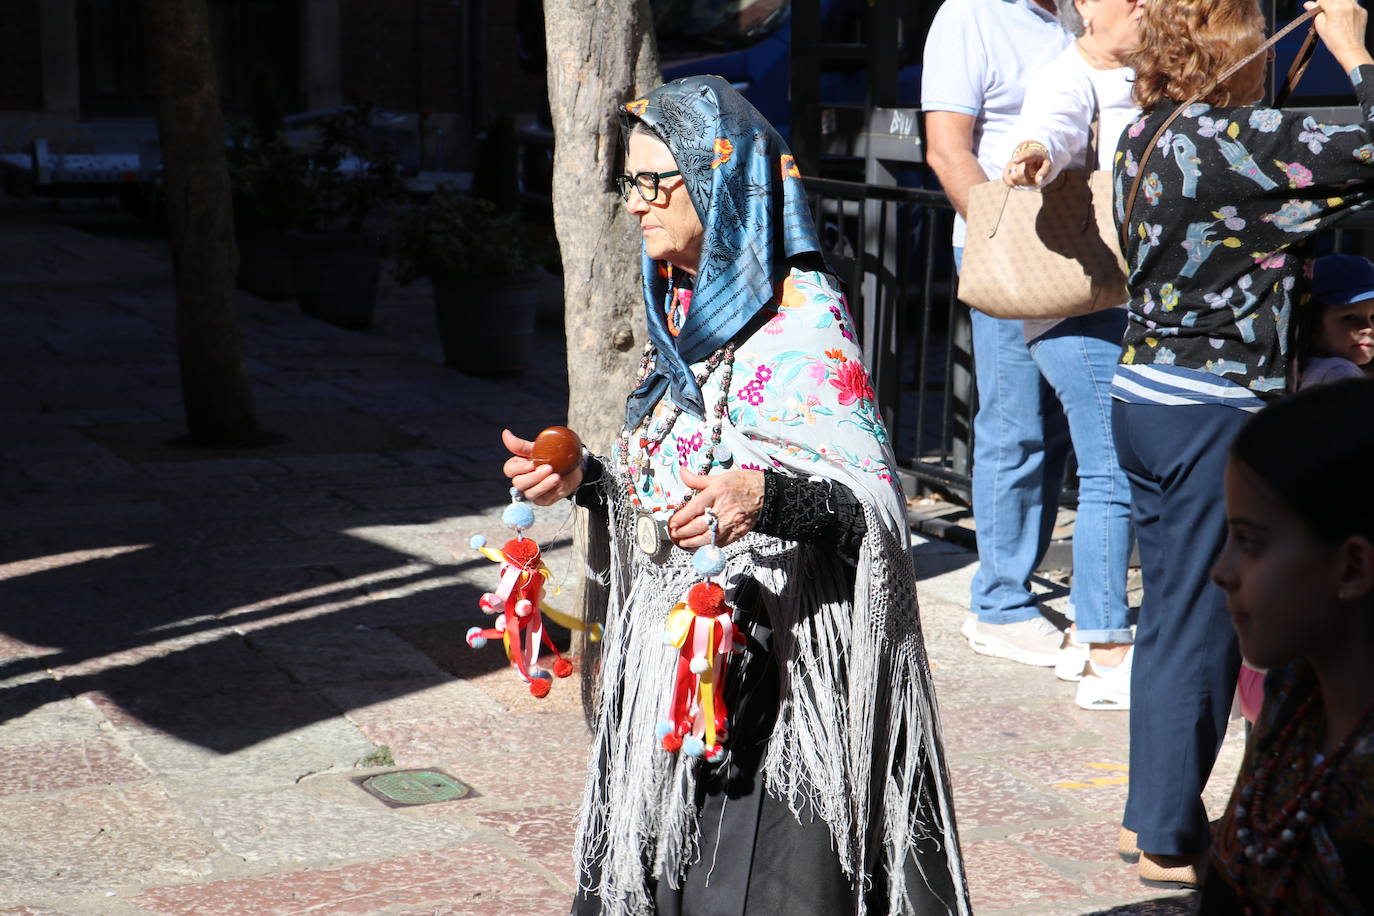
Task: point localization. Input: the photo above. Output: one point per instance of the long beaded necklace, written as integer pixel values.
(650, 533)
(1262, 841)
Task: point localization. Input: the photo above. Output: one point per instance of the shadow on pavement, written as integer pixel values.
(222, 596)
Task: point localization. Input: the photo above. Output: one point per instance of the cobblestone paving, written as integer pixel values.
(202, 653)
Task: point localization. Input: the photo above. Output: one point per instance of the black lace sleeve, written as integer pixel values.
(812, 511)
(589, 494)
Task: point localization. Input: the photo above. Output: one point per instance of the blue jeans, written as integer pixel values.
(1020, 443)
(1186, 659)
(1078, 358)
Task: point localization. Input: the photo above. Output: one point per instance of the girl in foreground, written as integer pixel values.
(1298, 571)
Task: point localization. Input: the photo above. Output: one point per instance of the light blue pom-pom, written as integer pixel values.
(478, 541)
(693, 746)
(664, 727)
(475, 638)
(709, 560)
(518, 515)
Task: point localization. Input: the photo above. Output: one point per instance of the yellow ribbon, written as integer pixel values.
(679, 624)
(569, 622)
(707, 681)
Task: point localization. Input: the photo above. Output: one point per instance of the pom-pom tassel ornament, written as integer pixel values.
(702, 629)
(518, 604)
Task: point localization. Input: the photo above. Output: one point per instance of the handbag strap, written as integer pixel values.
(1299, 67)
(1095, 137)
(1294, 74)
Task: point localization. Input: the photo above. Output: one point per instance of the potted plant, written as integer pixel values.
(267, 178)
(335, 264)
(487, 287)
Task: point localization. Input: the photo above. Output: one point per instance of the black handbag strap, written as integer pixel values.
(1299, 67)
(1294, 74)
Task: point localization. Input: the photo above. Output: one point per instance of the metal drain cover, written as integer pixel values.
(405, 788)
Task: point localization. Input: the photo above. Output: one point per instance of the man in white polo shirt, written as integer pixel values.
(979, 56)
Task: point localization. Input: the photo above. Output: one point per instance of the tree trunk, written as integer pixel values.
(601, 54)
(214, 385)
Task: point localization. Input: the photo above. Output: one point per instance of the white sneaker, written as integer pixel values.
(1106, 689)
(969, 627)
(1073, 658)
(1030, 642)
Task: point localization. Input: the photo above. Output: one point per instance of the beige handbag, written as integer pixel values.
(1043, 253)
(1055, 252)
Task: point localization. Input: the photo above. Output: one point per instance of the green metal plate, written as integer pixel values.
(405, 788)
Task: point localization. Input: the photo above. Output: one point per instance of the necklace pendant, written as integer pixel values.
(651, 536)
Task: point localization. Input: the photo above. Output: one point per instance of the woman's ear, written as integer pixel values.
(1355, 567)
(1081, 6)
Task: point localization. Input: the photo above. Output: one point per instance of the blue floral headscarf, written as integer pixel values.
(746, 189)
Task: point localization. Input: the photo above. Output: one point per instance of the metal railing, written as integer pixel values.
(891, 249)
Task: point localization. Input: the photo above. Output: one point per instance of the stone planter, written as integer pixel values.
(264, 264)
(486, 323)
(335, 276)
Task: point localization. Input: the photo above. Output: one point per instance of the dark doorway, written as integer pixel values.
(256, 44)
(116, 74)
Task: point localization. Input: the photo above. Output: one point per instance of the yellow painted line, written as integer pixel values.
(1119, 780)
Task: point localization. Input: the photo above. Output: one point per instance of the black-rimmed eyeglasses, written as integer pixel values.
(645, 182)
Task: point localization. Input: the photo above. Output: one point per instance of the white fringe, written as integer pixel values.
(856, 731)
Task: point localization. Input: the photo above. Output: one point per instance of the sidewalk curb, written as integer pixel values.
(939, 526)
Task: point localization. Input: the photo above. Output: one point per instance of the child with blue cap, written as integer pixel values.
(1342, 329)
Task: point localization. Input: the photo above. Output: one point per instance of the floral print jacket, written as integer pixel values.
(1217, 245)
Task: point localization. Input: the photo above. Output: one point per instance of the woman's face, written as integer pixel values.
(1346, 331)
(1111, 23)
(1280, 581)
(672, 230)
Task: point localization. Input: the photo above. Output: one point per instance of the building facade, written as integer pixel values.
(450, 63)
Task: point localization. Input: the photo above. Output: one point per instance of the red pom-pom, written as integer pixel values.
(539, 687)
(523, 552)
(562, 668)
(672, 742)
(706, 598)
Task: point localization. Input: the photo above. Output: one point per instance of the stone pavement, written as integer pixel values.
(202, 653)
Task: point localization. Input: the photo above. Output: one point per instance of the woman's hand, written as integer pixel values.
(1341, 25)
(736, 497)
(1027, 167)
(538, 482)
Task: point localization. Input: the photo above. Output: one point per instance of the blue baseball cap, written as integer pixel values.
(1342, 279)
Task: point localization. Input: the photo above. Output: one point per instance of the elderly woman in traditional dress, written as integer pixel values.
(820, 786)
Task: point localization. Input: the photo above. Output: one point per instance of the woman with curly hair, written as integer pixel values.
(1217, 244)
